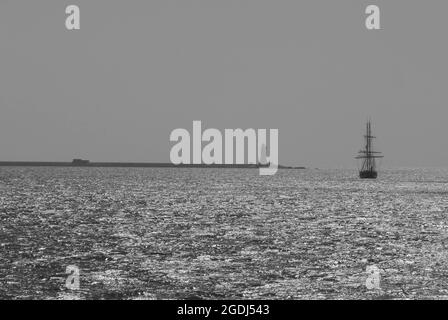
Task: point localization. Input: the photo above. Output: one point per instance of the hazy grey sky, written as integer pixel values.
(136, 70)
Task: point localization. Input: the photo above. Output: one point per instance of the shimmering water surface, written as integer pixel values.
(154, 233)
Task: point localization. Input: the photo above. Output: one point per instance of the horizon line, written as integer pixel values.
(86, 163)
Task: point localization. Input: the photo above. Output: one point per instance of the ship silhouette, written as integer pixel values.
(368, 156)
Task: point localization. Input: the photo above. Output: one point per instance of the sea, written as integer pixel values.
(183, 233)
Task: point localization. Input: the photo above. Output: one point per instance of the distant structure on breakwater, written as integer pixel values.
(80, 162)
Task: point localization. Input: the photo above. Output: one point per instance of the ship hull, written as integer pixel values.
(368, 174)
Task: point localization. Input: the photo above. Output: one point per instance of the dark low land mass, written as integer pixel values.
(86, 163)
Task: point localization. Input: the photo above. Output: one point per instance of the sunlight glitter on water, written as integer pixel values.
(222, 233)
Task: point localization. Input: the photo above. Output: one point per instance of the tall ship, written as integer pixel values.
(368, 156)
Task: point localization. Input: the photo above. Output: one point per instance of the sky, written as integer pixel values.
(136, 70)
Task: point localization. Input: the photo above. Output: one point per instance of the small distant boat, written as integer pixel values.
(368, 156)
